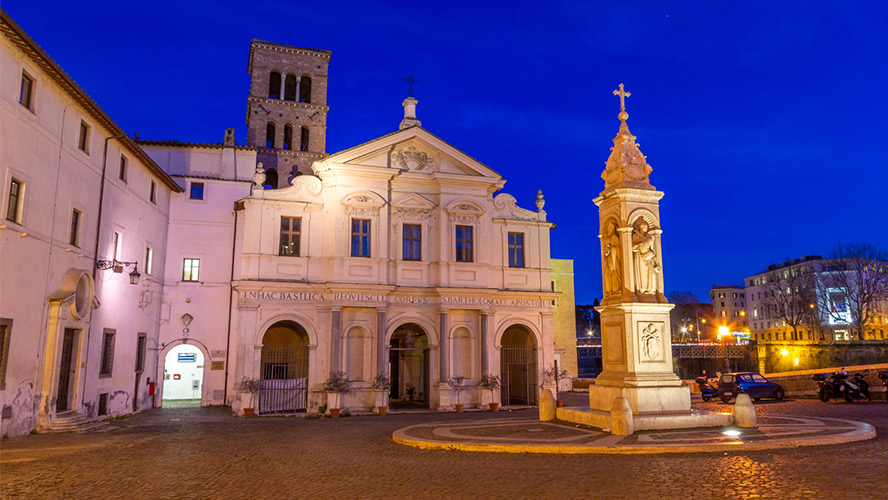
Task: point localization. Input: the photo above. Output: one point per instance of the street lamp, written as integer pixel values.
(723, 333)
(118, 266)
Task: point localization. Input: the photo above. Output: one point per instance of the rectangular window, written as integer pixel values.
(83, 140)
(149, 260)
(107, 353)
(74, 237)
(291, 236)
(5, 330)
(118, 245)
(140, 352)
(27, 91)
(464, 244)
(190, 271)
(152, 196)
(123, 166)
(360, 245)
(516, 249)
(197, 191)
(412, 237)
(14, 204)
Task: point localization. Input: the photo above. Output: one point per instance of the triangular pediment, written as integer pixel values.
(414, 200)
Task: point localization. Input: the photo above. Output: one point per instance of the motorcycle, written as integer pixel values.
(707, 391)
(840, 386)
(884, 377)
(857, 387)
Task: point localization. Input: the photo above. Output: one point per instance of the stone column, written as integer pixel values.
(444, 348)
(485, 361)
(335, 341)
(381, 347)
(298, 84)
(283, 86)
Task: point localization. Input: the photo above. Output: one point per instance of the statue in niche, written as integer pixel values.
(650, 342)
(646, 265)
(613, 270)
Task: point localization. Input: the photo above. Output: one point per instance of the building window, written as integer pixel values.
(26, 94)
(5, 330)
(516, 249)
(290, 88)
(288, 137)
(190, 270)
(83, 140)
(360, 246)
(118, 245)
(153, 194)
(149, 260)
(269, 135)
(14, 203)
(303, 141)
(140, 352)
(412, 235)
(274, 85)
(291, 232)
(107, 353)
(74, 236)
(305, 89)
(464, 244)
(123, 167)
(197, 191)
(724, 314)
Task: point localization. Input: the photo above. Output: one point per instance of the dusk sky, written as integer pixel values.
(764, 122)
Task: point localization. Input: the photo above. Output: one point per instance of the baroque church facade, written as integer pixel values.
(275, 261)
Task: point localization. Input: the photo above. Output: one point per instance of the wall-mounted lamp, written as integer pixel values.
(186, 320)
(118, 266)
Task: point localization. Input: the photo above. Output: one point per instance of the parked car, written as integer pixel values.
(757, 386)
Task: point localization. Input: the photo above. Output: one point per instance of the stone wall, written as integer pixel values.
(815, 355)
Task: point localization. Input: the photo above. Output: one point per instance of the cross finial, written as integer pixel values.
(410, 81)
(623, 95)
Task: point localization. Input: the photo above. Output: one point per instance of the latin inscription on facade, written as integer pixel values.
(311, 297)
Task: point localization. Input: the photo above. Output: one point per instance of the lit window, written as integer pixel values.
(412, 242)
(74, 236)
(360, 246)
(149, 260)
(26, 93)
(197, 191)
(291, 232)
(14, 203)
(464, 244)
(123, 167)
(83, 140)
(516, 249)
(190, 270)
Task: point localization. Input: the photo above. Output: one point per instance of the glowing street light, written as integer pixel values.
(784, 352)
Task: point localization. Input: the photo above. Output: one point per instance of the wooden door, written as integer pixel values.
(65, 371)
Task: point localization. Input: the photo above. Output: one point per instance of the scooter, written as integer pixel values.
(884, 377)
(839, 386)
(857, 387)
(707, 391)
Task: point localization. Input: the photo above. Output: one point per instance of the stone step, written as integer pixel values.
(70, 421)
(95, 426)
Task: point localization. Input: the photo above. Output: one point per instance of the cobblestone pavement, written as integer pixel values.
(205, 453)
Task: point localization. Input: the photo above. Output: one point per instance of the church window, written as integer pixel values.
(14, 203)
(121, 174)
(191, 270)
(269, 135)
(412, 241)
(291, 232)
(274, 85)
(305, 89)
(360, 245)
(107, 353)
(271, 179)
(516, 249)
(83, 140)
(197, 191)
(288, 137)
(26, 93)
(303, 142)
(290, 88)
(464, 244)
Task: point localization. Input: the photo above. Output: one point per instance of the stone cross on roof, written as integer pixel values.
(410, 82)
(623, 95)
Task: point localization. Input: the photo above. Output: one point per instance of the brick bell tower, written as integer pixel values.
(287, 109)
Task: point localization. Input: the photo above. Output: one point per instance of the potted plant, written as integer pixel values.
(457, 384)
(382, 385)
(410, 390)
(335, 385)
(555, 374)
(492, 384)
(251, 385)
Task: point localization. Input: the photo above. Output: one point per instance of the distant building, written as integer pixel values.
(729, 309)
(692, 322)
(565, 316)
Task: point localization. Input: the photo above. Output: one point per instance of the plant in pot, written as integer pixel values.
(457, 384)
(555, 374)
(335, 385)
(492, 384)
(251, 385)
(382, 385)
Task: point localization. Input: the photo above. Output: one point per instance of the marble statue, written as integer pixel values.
(646, 265)
(613, 272)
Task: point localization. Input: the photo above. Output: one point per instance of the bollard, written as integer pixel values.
(744, 412)
(547, 406)
(622, 422)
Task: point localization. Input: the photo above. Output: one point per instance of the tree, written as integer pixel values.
(682, 297)
(853, 285)
(789, 296)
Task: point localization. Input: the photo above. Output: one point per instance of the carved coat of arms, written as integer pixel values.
(411, 158)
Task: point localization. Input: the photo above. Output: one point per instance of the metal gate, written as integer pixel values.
(518, 372)
(284, 378)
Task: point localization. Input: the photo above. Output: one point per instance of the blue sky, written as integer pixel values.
(764, 122)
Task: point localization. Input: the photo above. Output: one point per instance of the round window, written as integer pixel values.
(82, 296)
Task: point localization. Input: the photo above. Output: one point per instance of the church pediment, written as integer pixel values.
(414, 200)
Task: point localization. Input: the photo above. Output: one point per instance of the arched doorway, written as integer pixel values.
(409, 367)
(284, 369)
(518, 367)
(183, 369)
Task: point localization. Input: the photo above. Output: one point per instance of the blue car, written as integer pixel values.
(758, 387)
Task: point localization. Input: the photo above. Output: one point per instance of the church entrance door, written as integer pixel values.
(518, 367)
(409, 367)
(284, 369)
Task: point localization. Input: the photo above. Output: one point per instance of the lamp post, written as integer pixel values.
(118, 266)
(723, 333)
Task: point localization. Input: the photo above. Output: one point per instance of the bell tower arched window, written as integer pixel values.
(290, 88)
(271, 179)
(305, 89)
(288, 137)
(269, 135)
(274, 85)
(303, 142)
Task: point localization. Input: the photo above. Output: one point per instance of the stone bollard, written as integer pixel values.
(547, 406)
(622, 422)
(744, 412)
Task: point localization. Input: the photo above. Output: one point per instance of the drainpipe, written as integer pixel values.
(230, 301)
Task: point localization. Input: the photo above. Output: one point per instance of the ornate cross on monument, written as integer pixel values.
(410, 82)
(623, 95)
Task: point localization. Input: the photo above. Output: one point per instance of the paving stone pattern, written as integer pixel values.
(205, 453)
